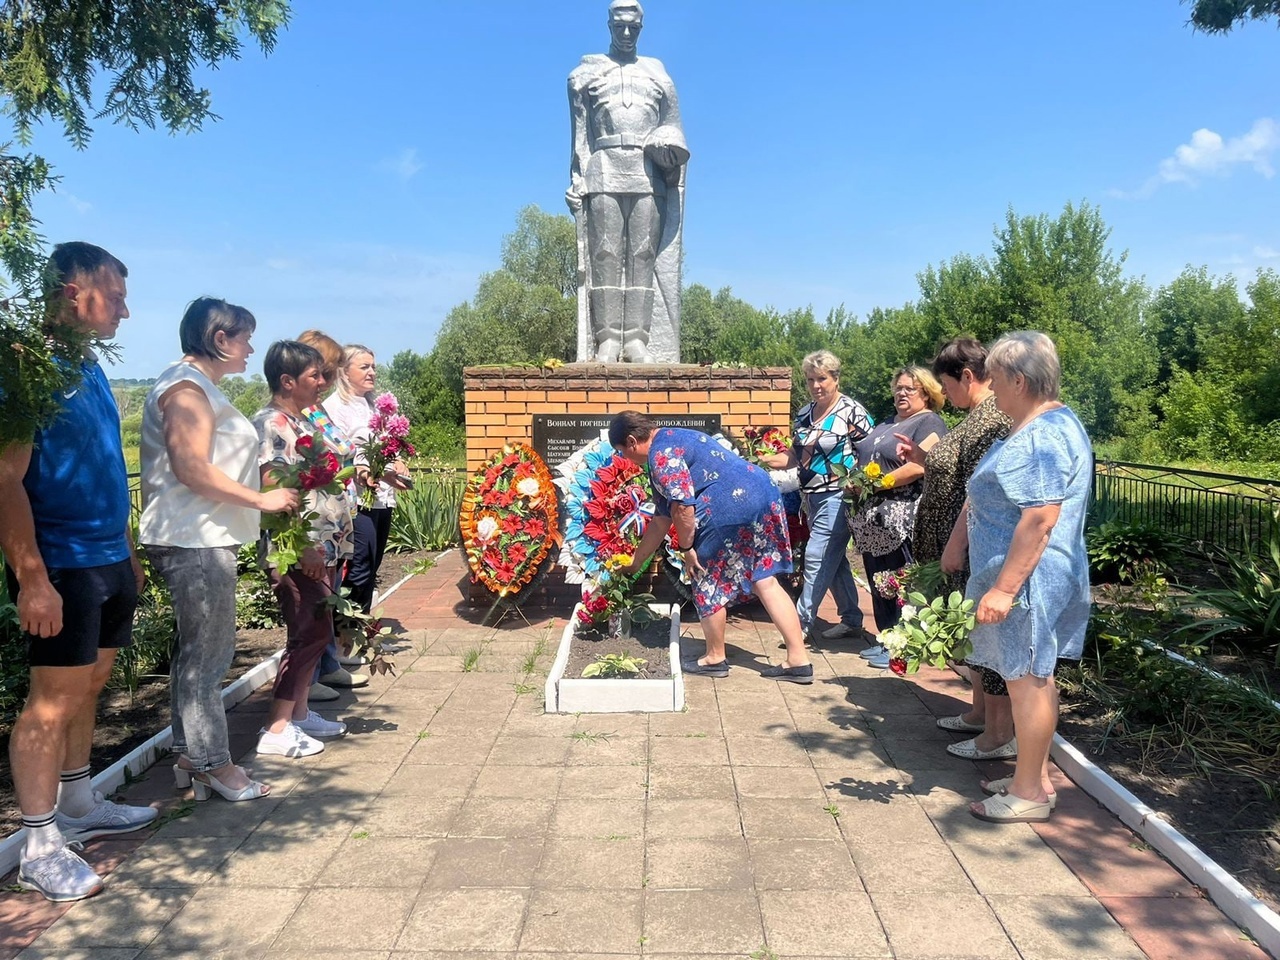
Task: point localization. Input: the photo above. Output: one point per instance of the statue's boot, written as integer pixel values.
(638, 318)
(606, 322)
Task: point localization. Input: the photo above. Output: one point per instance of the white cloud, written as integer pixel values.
(1266, 253)
(282, 263)
(403, 165)
(1208, 154)
(78, 205)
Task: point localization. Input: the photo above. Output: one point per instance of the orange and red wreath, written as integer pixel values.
(508, 520)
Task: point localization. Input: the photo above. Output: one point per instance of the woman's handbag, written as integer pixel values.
(883, 524)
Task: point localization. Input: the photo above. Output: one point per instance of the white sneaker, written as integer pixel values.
(317, 726)
(874, 652)
(289, 742)
(106, 818)
(61, 876)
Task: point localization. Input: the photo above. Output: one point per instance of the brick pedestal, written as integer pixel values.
(501, 402)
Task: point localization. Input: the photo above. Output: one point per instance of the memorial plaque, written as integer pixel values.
(556, 436)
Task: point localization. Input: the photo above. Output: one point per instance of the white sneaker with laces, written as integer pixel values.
(105, 818)
(317, 726)
(874, 652)
(60, 876)
(289, 742)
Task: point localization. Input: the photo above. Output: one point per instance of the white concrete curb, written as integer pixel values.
(574, 695)
(1262, 923)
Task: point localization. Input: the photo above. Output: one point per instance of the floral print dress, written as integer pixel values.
(332, 528)
(741, 532)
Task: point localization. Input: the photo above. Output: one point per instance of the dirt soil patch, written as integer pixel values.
(649, 641)
(1233, 818)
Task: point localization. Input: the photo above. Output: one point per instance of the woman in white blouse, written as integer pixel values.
(350, 407)
(200, 487)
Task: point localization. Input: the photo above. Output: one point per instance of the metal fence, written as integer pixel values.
(1217, 509)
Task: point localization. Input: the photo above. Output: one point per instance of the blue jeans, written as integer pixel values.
(826, 561)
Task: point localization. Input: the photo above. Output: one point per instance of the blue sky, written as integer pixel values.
(363, 175)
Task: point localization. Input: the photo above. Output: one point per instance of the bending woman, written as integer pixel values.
(200, 487)
(730, 512)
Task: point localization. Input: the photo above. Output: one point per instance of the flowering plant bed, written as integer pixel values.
(657, 642)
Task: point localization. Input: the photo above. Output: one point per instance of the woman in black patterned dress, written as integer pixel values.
(960, 367)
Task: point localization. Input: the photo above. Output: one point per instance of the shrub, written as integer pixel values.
(13, 659)
(1118, 547)
(1248, 601)
(256, 606)
(426, 517)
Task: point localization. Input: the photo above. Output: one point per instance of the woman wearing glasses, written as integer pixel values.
(882, 524)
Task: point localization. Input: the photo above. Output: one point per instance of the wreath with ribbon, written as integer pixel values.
(509, 520)
(608, 502)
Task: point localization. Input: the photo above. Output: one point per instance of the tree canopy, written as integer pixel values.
(54, 57)
(1188, 371)
(1220, 16)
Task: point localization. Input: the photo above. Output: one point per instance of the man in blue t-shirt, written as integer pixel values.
(70, 564)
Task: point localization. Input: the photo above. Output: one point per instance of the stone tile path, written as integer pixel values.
(458, 822)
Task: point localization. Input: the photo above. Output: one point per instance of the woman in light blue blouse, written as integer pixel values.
(1023, 527)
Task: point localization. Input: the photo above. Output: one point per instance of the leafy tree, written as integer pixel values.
(542, 251)
(1185, 316)
(247, 394)
(1059, 276)
(434, 410)
(53, 58)
(1220, 16)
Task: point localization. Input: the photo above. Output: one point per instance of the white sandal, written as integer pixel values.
(993, 787)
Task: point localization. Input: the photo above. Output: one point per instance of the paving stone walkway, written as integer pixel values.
(456, 821)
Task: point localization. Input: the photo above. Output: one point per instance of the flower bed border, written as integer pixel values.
(575, 695)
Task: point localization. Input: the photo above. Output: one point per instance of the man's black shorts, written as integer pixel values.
(97, 613)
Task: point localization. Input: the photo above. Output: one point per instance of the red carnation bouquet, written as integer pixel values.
(317, 470)
(388, 441)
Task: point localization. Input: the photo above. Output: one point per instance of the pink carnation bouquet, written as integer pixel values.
(388, 441)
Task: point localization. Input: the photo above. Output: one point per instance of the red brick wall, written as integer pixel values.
(501, 401)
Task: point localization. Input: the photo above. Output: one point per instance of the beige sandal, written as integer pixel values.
(993, 787)
(1006, 808)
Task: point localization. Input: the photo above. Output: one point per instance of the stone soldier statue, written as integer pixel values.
(626, 190)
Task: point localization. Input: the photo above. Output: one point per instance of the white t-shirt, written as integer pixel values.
(173, 515)
(351, 415)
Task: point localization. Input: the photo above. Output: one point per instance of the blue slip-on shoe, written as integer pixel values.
(802, 674)
(720, 669)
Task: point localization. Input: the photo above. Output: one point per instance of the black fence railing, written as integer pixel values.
(1217, 509)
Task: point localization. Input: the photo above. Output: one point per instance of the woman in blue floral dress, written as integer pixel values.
(729, 516)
